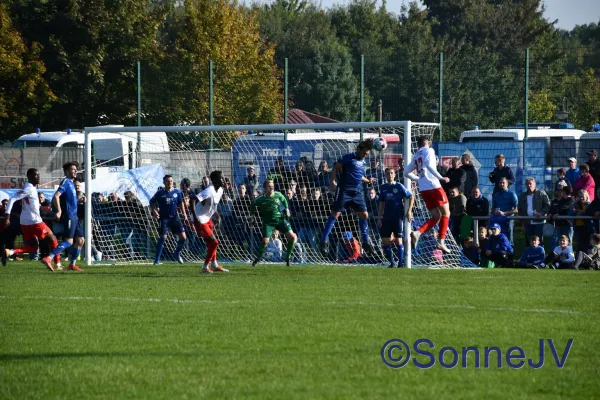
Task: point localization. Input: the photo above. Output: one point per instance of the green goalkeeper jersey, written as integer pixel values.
(270, 208)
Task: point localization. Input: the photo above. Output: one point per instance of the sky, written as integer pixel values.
(568, 12)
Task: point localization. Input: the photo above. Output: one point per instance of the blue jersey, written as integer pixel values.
(353, 170)
(167, 203)
(533, 255)
(67, 188)
(393, 195)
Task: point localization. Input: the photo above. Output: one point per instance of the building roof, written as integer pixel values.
(297, 116)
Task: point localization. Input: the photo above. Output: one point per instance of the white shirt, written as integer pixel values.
(212, 197)
(427, 175)
(568, 251)
(30, 215)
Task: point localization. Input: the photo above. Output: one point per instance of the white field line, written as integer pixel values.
(333, 303)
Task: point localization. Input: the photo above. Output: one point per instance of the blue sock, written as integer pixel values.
(180, 245)
(401, 254)
(389, 254)
(364, 229)
(159, 249)
(60, 248)
(75, 251)
(328, 228)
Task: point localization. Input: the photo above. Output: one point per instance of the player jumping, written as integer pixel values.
(168, 200)
(391, 215)
(273, 209)
(35, 231)
(349, 193)
(73, 237)
(434, 196)
(207, 201)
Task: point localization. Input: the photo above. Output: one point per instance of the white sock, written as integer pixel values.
(11, 252)
(214, 263)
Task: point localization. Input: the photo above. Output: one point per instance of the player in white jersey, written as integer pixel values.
(35, 231)
(431, 191)
(206, 206)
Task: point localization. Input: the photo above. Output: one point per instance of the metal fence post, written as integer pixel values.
(211, 102)
(285, 98)
(441, 93)
(526, 94)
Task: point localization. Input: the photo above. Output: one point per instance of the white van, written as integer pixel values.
(558, 131)
(112, 152)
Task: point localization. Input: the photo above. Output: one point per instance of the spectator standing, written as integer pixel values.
(594, 166)
(472, 173)
(579, 207)
(443, 171)
(504, 204)
(585, 182)
(562, 180)
(400, 167)
(301, 175)
(573, 172)
(250, 180)
(561, 206)
(457, 177)
(458, 206)
(501, 171)
(323, 179)
(533, 203)
(44, 202)
(478, 205)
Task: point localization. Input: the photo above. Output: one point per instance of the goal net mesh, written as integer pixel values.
(124, 231)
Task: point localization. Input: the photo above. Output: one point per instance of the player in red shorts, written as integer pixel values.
(34, 229)
(207, 201)
(431, 190)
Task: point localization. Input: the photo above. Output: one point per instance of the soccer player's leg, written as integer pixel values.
(267, 231)
(163, 229)
(285, 228)
(206, 232)
(30, 242)
(434, 199)
(63, 226)
(177, 229)
(357, 202)
(444, 211)
(386, 235)
(78, 240)
(336, 210)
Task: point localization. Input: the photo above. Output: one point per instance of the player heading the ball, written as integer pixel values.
(273, 209)
(431, 190)
(204, 209)
(168, 201)
(349, 193)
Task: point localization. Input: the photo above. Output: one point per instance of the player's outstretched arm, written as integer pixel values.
(408, 171)
(56, 204)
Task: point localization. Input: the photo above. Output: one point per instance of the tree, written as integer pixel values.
(320, 75)
(24, 94)
(541, 107)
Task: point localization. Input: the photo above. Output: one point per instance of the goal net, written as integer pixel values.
(128, 164)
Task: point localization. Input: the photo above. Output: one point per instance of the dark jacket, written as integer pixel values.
(497, 174)
(457, 178)
(472, 178)
(541, 202)
(478, 207)
(498, 243)
(561, 207)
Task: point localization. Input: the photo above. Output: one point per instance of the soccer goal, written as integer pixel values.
(128, 163)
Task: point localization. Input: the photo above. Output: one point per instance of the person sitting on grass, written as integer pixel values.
(470, 250)
(590, 260)
(533, 256)
(484, 261)
(498, 248)
(562, 256)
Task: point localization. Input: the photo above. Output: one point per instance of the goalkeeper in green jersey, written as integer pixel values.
(273, 209)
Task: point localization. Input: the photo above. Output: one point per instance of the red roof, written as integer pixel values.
(297, 116)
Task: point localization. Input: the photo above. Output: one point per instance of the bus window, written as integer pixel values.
(107, 152)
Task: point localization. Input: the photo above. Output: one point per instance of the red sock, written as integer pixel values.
(430, 223)
(211, 252)
(25, 249)
(52, 247)
(444, 221)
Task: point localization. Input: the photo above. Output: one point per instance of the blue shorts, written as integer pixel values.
(391, 225)
(354, 199)
(173, 224)
(70, 229)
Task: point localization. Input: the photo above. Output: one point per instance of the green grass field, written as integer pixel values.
(276, 332)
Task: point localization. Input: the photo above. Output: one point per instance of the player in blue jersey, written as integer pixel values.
(164, 205)
(73, 236)
(391, 215)
(349, 193)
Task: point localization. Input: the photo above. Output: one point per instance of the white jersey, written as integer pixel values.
(30, 214)
(212, 197)
(424, 162)
(569, 256)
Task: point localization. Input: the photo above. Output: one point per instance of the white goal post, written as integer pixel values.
(127, 164)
